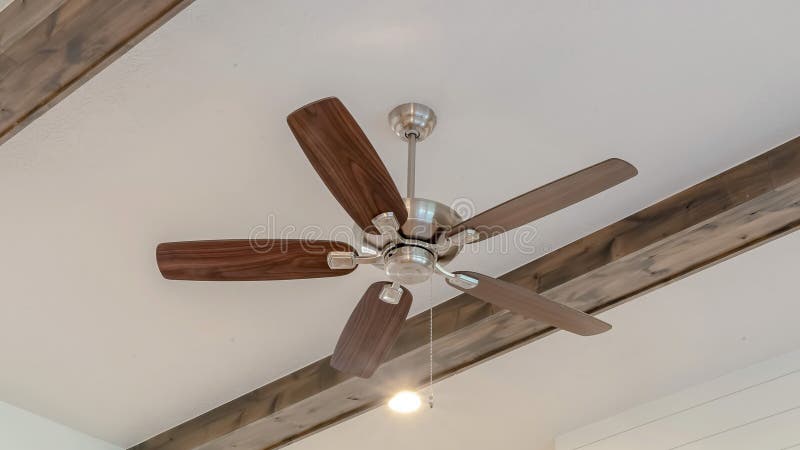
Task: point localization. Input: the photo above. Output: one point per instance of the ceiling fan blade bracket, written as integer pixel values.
(463, 281)
(341, 260)
(460, 239)
(391, 293)
(457, 280)
(349, 260)
(387, 225)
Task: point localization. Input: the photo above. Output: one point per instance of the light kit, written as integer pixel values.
(405, 402)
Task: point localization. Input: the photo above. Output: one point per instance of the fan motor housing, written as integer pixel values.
(427, 221)
(409, 264)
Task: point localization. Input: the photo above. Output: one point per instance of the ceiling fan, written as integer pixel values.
(409, 239)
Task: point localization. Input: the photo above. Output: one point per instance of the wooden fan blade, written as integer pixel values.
(370, 332)
(248, 260)
(346, 161)
(548, 199)
(528, 303)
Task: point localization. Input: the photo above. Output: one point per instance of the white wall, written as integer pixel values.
(757, 407)
(22, 430)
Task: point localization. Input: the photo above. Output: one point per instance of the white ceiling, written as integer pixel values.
(185, 138)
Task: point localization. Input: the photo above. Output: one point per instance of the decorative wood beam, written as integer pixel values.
(48, 48)
(739, 209)
(20, 16)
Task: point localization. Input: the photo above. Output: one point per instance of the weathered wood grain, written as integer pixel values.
(20, 16)
(50, 47)
(739, 209)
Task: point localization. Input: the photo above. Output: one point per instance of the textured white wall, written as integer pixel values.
(757, 407)
(22, 430)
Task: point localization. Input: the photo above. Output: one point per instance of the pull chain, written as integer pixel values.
(430, 346)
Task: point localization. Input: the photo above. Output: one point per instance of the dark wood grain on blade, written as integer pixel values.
(247, 260)
(531, 305)
(346, 161)
(370, 333)
(548, 199)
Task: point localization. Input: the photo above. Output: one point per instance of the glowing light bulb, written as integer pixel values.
(405, 402)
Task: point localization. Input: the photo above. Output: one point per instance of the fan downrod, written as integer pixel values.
(412, 122)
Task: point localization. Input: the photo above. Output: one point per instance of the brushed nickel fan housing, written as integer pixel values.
(427, 223)
(409, 264)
